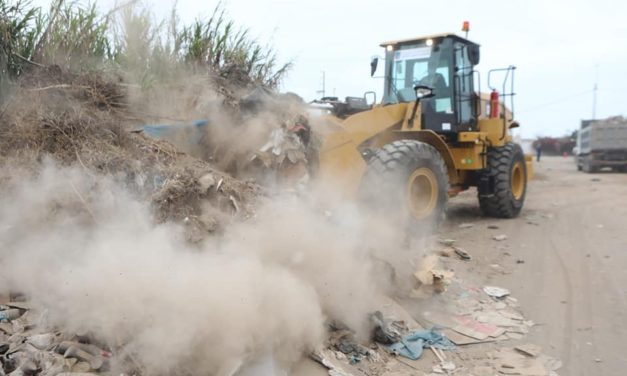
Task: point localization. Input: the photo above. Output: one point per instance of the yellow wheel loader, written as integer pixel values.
(431, 136)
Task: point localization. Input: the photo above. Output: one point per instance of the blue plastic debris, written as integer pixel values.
(355, 359)
(411, 345)
(193, 132)
(10, 314)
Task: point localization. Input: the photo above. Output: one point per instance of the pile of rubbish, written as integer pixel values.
(85, 120)
(26, 350)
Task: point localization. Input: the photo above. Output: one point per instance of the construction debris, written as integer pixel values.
(496, 292)
(28, 351)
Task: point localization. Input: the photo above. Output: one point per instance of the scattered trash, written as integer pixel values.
(466, 225)
(446, 252)
(386, 331)
(428, 274)
(499, 238)
(323, 358)
(496, 292)
(447, 242)
(445, 367)
(479, 331)
(411, 345)
(355, 359)
(462, 253)
(448, 366)
(529, 350)
(234, 203)
(10, 314)
(206, 182)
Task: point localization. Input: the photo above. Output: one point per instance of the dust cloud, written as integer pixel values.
(87, 252)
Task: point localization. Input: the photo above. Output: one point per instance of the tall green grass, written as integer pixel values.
(130, 39)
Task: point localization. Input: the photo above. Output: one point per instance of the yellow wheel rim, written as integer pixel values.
(422, 192)
(518, 181)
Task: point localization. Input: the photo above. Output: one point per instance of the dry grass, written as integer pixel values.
(80, 120)
(130, 40)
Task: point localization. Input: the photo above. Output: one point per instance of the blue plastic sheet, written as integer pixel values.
(412, 345)
(193, 132)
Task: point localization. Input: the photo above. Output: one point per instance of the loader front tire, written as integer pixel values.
(407, 180)
(507, 176)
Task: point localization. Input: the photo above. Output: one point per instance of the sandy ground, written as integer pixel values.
(564, 259)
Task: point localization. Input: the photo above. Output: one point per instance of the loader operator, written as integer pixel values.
(434, 79)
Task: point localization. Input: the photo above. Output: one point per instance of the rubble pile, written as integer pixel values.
(82, 120)
(27, 350)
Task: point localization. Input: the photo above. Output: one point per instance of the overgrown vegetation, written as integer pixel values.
(128, 39)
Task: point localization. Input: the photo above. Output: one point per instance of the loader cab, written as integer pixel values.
(446, 64)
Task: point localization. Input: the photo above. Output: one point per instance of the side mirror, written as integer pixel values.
(423, 92)
(373, 65)
(473, 54)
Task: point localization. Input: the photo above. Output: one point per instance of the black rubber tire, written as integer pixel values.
(587, 168)
(501, 202)
(384, 184)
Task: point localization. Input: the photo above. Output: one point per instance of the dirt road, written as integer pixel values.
(565, 259)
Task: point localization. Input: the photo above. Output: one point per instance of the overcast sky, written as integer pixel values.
(557, 46)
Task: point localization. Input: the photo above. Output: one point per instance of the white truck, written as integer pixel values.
(602, 143)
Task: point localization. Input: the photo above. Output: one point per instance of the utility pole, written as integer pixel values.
(323, 91)
(594, 92)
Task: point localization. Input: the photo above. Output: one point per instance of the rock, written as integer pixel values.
(466, 225)
(499, 238)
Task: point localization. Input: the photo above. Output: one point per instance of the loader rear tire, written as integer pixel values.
(507, 172)
(407, 180)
